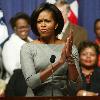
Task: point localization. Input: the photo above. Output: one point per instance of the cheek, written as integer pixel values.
(82, 58)
(38, 27)
(94, 59)
(52, 26)
(23, 33)
(98, 32)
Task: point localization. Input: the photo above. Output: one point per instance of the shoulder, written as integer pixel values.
(7, 46)
(96, 74)
(60, 42)
(26, 46)
(30, 44)
(9, 43)
(35, 41)
(97, 70)
(29, 47)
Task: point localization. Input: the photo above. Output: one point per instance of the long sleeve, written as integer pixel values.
(28, 67)
(1, 64)
(11, 55)
(75, 85)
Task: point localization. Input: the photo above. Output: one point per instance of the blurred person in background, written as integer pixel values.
(97, 32)
(90, 72)
(11, 51)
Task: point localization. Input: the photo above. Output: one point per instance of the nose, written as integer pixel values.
(43, 24)
(88, 55)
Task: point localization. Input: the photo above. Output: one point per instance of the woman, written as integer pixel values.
(97, 32)
(44, 76)
(88, 55)
(11, 51)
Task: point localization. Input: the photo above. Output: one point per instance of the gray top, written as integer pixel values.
(1, 63)
(36, 57)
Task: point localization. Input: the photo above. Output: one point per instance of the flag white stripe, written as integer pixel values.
(74, 8)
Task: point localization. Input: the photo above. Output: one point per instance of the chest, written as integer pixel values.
(43, 54)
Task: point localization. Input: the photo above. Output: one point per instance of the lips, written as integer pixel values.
(88, 61)
(43, 30)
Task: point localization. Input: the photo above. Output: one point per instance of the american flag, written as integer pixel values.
(3, 28)
(73, 13)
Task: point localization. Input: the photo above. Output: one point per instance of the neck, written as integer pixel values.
(87, 71)
(48, 40)
(26, 40)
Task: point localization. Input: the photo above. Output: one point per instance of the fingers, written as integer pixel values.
(70, 37)
(69, 44)
(67, 50)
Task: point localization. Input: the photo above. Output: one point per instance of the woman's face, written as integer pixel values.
(22, 28)
(88, 57)
(97, 29)
(46, 24)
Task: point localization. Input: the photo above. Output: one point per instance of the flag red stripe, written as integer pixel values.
(73, 18)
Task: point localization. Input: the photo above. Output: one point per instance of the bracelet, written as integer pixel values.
(70, 60)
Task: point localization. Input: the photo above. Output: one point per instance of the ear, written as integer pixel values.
(56, 26)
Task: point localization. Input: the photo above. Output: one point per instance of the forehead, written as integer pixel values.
(46, 14)
(21, 20)
(89, 49)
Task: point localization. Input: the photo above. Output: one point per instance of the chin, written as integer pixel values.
(45, 36)
(88, 66)
(24, 38)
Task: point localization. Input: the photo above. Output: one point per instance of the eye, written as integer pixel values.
(93, 54)
(46, 20)
(39, 21)
(84, 54)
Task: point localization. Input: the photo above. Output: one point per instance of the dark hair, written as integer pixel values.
(86, 44)
(96, 21)
(19, 15)
(56, 14)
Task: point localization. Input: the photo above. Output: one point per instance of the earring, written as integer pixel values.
(56, 26)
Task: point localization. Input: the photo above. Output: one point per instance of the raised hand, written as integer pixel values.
(67, 50)
(86, 93)
(69, 44)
